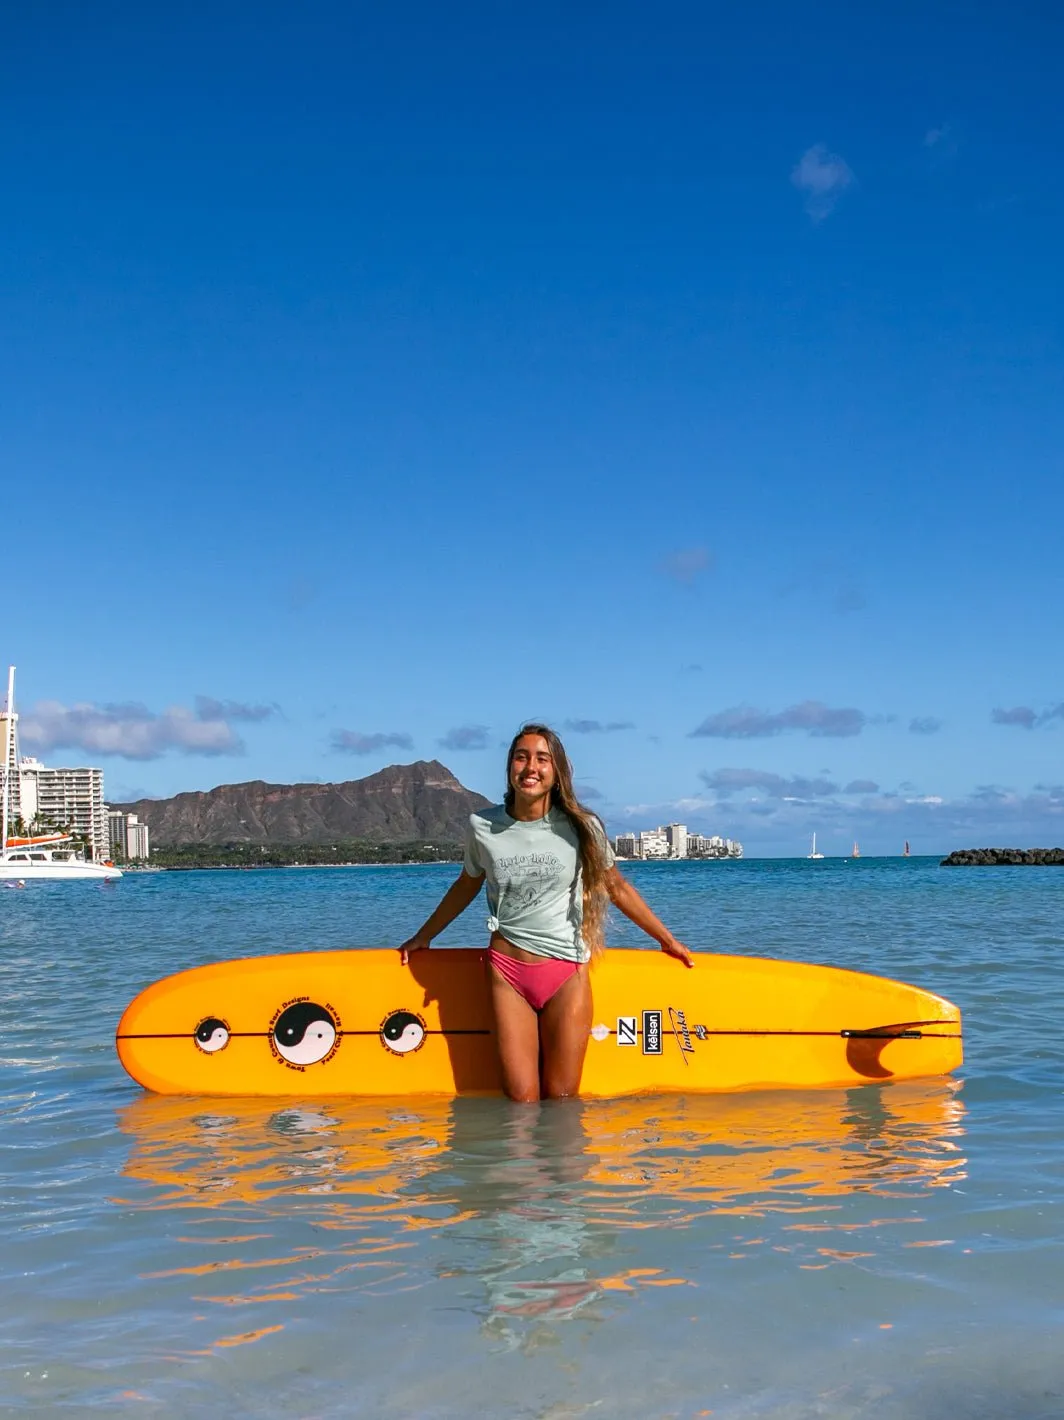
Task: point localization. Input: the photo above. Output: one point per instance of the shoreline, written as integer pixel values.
(870, 858)
(295, 867)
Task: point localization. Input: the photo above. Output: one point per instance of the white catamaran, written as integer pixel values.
(45, 855)
(814, 853)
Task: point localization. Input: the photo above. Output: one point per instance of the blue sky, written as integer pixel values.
(377, 377)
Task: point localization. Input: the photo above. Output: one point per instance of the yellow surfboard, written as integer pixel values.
(360, 1023)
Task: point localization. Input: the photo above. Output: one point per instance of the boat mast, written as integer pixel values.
(8, 727)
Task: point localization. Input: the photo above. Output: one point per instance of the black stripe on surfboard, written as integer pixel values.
(266, 1034)
(835, 1034)
(905, 1034)
(909, 1031)
(823, 1034)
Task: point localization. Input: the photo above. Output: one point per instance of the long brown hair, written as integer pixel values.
(590, 835)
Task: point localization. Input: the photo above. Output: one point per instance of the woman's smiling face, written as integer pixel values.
(531, 767)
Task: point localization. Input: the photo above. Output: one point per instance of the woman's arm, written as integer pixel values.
(623, 895)
(454, 901)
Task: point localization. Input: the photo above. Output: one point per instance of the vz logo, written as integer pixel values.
(626, 1031)
(651, 1032)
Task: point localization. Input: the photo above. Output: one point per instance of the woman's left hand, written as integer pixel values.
(672, 948)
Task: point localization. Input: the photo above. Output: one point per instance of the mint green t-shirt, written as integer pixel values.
(535, 888)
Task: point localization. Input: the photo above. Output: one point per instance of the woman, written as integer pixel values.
(550, 871)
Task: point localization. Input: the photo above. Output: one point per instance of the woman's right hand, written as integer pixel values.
(417, 943)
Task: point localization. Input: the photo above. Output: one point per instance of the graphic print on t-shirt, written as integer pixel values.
(525, 878)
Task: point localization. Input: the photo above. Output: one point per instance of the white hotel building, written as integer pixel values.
(72, 798)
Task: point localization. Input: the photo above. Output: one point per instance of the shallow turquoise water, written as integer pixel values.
(884, 1251)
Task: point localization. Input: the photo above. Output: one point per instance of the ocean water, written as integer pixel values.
(886, 1251)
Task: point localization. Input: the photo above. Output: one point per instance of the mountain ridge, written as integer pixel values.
(398, 804)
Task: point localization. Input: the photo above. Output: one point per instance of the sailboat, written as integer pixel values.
(856, 850)
(46, 855)
(814, 853)
(905, 854)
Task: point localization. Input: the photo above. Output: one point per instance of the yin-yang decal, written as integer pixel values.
(304, 1033)
(211, 1035)
(402, 1032)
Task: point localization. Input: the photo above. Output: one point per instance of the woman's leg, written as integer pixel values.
(564, 1031)
(517, 1035)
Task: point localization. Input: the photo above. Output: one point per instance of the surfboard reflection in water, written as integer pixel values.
(529, 1216)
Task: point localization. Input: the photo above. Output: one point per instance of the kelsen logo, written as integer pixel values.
(626, 1030)
(651, 1032)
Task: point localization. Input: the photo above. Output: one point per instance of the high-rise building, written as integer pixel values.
(127, 835)
(712, 846)
(136, 838)
(116, 829)
(70, 798)
(653, 843)
(674, 841)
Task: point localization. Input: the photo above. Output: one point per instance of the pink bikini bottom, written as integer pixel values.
(536, 981)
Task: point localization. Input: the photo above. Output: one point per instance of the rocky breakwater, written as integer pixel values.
(1005, 858)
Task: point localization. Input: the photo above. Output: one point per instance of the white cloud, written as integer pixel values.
(1026, 718)
(597, 727)
(744, 722)
(354, 742)
(823, 177)
(925, 725)
(726, 782)
(466, 737)
(686, 564)
(1021, 715)
(207, 708)
(764, 813)
(130, 731)
(941, 143)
